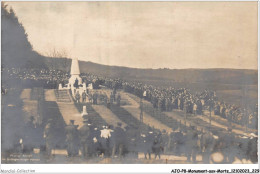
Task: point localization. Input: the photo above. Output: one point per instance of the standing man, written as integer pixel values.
(72, 139)
(105, 137)
(95, 97)
(30, 136)
(49, 137)
(165, 140)
(84, 133)
(120, 140)
(192, 144)
(148, 142)
(194, 108)
(228, 148)
(178, 142)
(84, 96)
(94, 146)
(111, 98)
(76, 84)
(114, 94)
(157, 147)
(118, 100)
(105, 100)
(77, 97)
(207, 145)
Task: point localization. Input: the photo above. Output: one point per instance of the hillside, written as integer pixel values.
(165, 76)
(224, 76)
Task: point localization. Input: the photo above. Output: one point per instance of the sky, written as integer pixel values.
(173, 35)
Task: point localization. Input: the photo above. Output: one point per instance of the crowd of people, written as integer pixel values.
(162, 98)
(93, 140)
(29, 78)
(99, 141)
(167, 99)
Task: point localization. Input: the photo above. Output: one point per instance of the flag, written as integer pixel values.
(144, 94)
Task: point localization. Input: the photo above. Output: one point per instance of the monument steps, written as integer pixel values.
(62, 96)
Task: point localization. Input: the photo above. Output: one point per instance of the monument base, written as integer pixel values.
(73, 79)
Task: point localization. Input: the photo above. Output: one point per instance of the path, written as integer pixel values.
(200, 121)
(29, 106)
(224, 121)
(147, 119)
(181, 120)
(70, 112)
(67, 109)
(26, 94)
(132, 102)
(108, 115)
(49, 95)
(237, 131)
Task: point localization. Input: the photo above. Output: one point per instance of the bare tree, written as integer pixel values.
(58, 58)
(52, 63)
(65, 61)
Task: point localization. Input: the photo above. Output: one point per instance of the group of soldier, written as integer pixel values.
(89, 140)
(96, 98)
(107, 141)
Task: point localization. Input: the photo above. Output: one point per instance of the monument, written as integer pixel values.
(74, 73)
(75, 81)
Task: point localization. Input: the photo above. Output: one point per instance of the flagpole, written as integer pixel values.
(141, 107)
(141, 110)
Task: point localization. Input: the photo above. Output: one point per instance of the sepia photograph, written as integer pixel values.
(129, 82)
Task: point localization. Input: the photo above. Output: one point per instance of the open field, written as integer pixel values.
(236, 97)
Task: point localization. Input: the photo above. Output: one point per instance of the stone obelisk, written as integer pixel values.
(74, 73)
